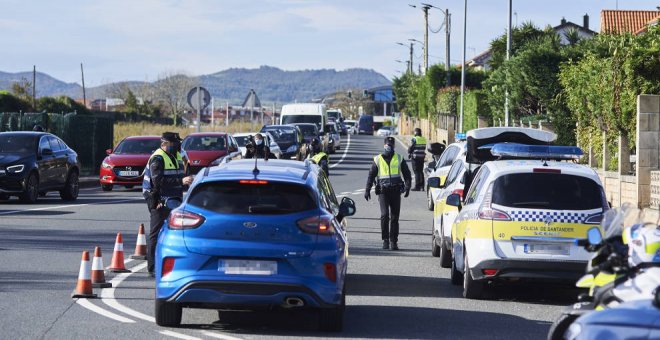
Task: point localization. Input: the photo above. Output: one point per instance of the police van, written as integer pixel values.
(522, 215)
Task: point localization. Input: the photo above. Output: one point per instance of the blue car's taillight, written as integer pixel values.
(184, 220)
(317, 225)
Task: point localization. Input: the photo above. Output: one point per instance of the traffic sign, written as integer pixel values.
(194, 99)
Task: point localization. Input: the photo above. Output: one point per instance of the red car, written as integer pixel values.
(125, 164)
(201, 149)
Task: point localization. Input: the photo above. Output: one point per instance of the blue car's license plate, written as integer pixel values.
(247, 267)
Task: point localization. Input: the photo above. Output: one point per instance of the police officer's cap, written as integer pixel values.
(172, 137)
(389, 141)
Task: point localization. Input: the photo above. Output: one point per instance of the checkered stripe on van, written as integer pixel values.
(540, 216)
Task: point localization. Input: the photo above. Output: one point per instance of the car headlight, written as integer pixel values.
(106, 165)
(292, 148)
(573, 331)
(15, 169)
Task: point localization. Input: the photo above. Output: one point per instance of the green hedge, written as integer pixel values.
(474, 106)
(447, 100)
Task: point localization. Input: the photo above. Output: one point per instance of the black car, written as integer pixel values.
(310, 131)
(290, 139)
(34, 163)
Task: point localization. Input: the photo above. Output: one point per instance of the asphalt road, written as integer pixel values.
(402, 294)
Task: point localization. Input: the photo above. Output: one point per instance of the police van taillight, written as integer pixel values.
(487, 212)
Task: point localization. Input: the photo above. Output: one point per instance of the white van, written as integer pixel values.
(304, 113)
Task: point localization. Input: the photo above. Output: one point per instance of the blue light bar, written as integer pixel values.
(460, 136)
(514, 150)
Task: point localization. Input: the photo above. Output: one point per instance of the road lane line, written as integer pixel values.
(98, 310)
(348, 145)
(179, 335)
(68, 206)
(220, 336)
(108, 295)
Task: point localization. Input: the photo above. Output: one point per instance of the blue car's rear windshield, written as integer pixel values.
(248, 197)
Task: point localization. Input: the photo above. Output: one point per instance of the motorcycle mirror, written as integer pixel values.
(594, 237)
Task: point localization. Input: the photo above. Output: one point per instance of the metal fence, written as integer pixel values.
(88, 135)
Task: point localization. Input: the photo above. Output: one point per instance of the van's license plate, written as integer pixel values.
(247, 267)
(546, 248)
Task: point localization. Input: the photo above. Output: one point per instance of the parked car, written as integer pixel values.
(310, 131)
(386, 131)
(290, 139)
(34, 163)
(247, 240)
(199, 150)
(242, 140)
(125, 164)
(351, 126)
(334, 142)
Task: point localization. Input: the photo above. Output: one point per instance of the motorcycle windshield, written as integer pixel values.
(615, 220)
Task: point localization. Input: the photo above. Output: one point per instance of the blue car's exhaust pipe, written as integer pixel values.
(293, 302)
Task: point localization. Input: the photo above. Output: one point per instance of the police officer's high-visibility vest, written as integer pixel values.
(318, 157)
(420, 146)
(171, 170)
(389, 175)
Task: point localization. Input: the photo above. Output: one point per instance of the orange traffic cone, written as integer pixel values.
(98, 274)
(117, 264)
(140, 245)
(84, 285)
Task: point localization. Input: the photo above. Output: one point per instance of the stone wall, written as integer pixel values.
(648, 144)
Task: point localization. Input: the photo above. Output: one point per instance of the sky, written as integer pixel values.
(139, 40)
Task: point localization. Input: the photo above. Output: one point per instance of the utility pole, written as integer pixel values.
(447, 33)
(508, 54)
(410, 63)
(460, 120)
(425, 8)
(82, 74)
(34, 87)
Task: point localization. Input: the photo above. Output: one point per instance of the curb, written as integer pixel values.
(88, 182)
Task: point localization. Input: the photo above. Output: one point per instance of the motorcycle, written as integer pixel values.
(612, 277)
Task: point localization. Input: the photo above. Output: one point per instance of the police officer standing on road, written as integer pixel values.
(417, 153)
(318, 156)
(258, 149)
(386, 171)
(163, 180)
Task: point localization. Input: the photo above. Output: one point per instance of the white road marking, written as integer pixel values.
(68, 206)
(220, 336)
(179, 335)
(348, 145)
(98, 310)
(108, 295)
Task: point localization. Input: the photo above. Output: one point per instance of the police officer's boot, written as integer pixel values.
(386, 244)
(394, 246)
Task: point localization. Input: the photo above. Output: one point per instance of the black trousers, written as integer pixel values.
(390, 206)
(418, 169)
(157, 218)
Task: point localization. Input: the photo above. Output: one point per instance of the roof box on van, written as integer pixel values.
(478, 138)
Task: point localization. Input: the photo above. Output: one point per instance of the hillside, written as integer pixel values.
(270, 83)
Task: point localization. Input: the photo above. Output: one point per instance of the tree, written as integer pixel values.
(520, 37)
(171, 90)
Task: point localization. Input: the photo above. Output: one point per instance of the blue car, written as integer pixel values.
(248, 238)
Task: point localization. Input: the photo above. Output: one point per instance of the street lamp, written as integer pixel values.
(404, 62)
(410, 63)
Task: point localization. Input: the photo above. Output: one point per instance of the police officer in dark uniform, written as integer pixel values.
(256, 148)
(318, 156)
(392, 177)
(417, 153)
(163, 180)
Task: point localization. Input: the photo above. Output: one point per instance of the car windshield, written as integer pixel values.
(270, 198)
(282, 135)
(554, 191)
(241, 140)
(308, 130)
(137, 147)
(294, 119)
(333, 114)
(17, 144)
(204, 143)
(331, 128)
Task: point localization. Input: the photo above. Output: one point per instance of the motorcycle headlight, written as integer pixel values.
(292, 148)
(15, 169)
(573, 331)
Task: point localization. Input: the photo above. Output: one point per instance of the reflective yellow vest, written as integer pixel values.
(420, 146)
(318, 157)
(389, 174)
(171, 170)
